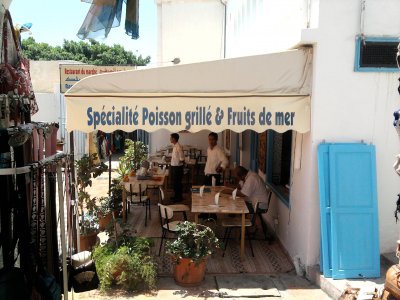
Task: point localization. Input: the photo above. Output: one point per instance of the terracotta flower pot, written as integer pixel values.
(188, 273)
(104, 221)
(60, 147)
(88, 241)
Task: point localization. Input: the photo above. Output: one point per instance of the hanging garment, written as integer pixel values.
(54, 139)
(132, 19)
(15, 79)
(42, 219)
(102, 16)
(35, 145)
(41, 144)
(34, 211)
(47, 141)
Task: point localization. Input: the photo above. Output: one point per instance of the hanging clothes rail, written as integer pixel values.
(23, 170)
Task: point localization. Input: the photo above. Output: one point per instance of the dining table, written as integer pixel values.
(156, 180)
(226, 205)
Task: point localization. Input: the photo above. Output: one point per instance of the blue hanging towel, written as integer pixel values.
(102, 16)
(132, 18)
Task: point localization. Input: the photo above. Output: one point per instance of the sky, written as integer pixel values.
(56, 20)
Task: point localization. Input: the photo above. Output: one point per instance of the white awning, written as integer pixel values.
(260, 92)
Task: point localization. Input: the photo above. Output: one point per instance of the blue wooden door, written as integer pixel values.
(354, 212)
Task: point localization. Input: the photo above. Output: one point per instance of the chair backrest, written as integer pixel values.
(166, 212)
(264, 206)
(136, 188)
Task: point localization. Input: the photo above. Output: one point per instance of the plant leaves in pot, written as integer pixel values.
(194, 244)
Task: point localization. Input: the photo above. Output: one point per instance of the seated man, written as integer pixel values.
(251, 186)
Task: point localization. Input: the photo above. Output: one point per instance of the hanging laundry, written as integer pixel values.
(102, 16)
(132, 18)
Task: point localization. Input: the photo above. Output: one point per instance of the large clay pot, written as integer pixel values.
(188, 273)
(104, 221)
(88, 241)
(392, 282)
(60, 147)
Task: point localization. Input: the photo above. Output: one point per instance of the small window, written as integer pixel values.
(279, 161)
(376, 54)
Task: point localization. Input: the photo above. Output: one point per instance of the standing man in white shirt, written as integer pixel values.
(177, 161)
(216, 161)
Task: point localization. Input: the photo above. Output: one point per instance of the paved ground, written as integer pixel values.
(284, 286)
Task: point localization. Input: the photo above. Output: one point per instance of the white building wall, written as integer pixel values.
(346, 105)
(265, 26)
(353, 106)
(192, 30)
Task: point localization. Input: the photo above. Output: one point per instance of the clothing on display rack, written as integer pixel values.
(15, 81)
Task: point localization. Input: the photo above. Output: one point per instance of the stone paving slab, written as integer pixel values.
(239, 287)
(294, 287)
(254, 286)
(168, 289)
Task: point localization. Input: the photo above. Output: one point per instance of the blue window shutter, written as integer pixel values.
(354, 212)
(325, 209)
(349, 214)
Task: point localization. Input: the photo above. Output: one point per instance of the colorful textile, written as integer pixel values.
(132, 18)
(102, 16)
(106, 14)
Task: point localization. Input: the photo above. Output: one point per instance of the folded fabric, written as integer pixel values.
(396, 165)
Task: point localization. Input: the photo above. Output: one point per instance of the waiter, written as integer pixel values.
(177, 161)
(216, 161)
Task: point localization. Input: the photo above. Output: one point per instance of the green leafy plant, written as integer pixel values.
(92, 52)
(122, 170)
(135, 153)
(89, 224)
(128, 266)
(194, 241)
(86, 169)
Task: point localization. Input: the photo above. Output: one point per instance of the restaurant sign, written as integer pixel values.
(71, 74)
(238, 113)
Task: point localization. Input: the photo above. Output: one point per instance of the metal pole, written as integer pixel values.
(73, 194)
(62, 229)
(109, 169)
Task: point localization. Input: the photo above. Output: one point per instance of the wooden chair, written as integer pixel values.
(183, 208)
(167, 225)
(232, 223)
(137, 196)
(261, 210)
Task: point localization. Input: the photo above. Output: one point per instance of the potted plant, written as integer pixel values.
(126, 263)
(104, 212)
(194, 244)
(86, 170)
(60, 145)
(89, 229)
(135, 153)
(110, 206)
